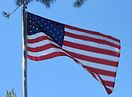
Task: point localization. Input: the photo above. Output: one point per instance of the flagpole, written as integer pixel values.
(24, 51)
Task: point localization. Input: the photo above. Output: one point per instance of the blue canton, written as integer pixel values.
(54, 30)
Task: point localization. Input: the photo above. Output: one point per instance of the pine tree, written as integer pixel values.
(11, 93)
(47, 3)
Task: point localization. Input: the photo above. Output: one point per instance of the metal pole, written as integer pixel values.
(24, 51)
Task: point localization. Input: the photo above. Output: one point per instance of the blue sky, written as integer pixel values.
(61, 76)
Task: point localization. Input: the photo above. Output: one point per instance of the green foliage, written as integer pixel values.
(11, 93)
(47, 3)
(79, 3)
(19, 2)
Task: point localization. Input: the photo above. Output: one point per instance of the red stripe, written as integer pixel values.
(91, 32)
(48, 56)
(93, 59)
(42, 48)
(108, 90)
(92, 49)
(91, 39)
(103, 82)
(99, 71)
(108, 83)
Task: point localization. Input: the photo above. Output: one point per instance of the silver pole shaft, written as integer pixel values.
(24, 51)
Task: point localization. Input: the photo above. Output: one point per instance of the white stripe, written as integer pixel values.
(89, 43)
(111, 88)
(102, 76)
(40, 43)
(107, 78)
(34, 36)
(45, 52)
(91, 35)
(97, 65)
(91, 54)
(97, 77)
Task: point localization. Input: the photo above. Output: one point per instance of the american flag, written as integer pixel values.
(96, 52)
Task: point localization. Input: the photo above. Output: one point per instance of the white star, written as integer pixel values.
(30, 26)
(44, 23)
(61, 30)
(30, 17)
(36, 28)
(35, 18)
(47, 27)
(59, 42)
(56, 39)
(30, 21)
(60, 36)
(57, 32)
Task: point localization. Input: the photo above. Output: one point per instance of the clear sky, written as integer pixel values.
(61, 76)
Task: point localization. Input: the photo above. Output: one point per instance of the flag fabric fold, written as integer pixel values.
(96, 52)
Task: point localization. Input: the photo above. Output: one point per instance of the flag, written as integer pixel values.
(96, 52)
